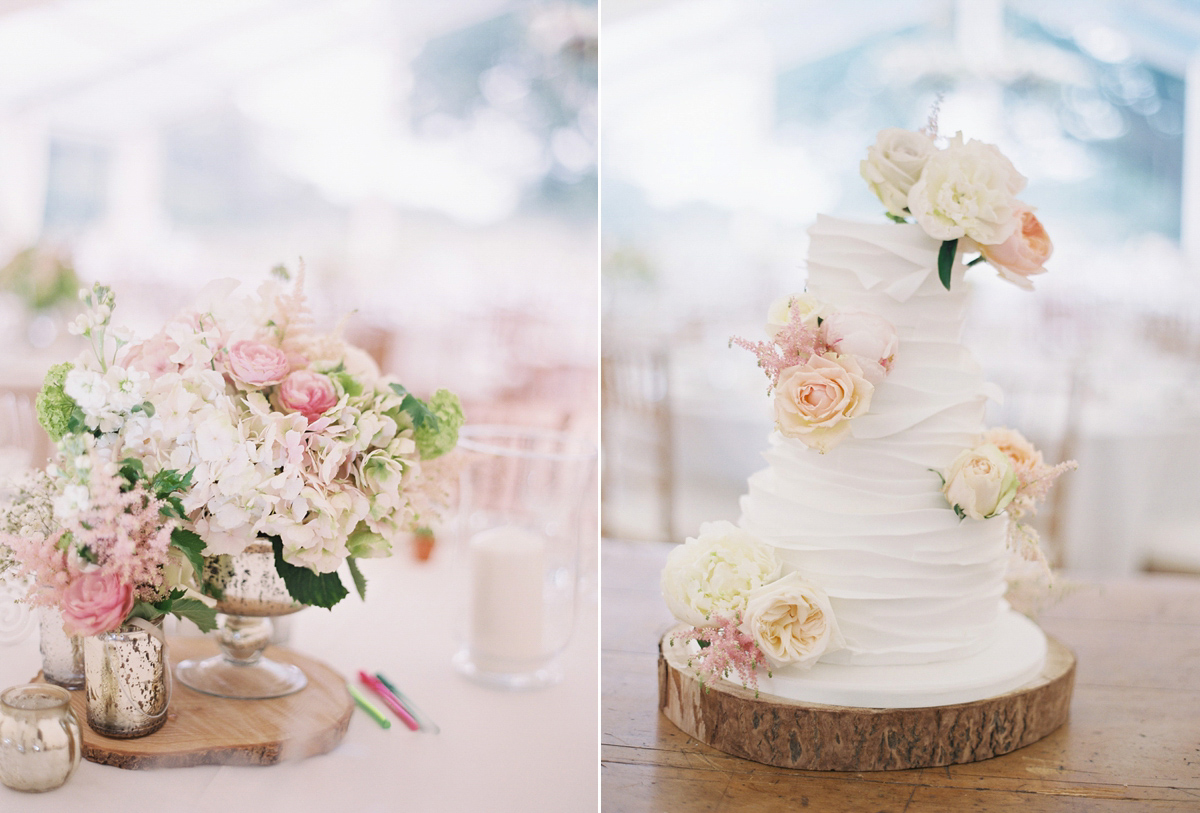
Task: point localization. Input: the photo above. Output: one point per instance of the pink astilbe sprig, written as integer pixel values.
(794, 344)
(726, 650)
(1034, 483)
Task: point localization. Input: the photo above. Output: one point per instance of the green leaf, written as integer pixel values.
(167, 481)
(360, 581)
(172, 507)
(977, 261)
(132, 470)
(349, 385)
(146, 407)
(192, 546)
(146, 610)
(196, 611)
(306, 586)
(895, 218)
(946, 261)
(417, 410)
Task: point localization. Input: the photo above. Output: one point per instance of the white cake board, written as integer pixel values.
(1014, 658)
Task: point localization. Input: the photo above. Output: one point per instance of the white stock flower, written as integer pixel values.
(893, 164)
(792, 622)
(981, 482)
(713, 574)
(968, 190)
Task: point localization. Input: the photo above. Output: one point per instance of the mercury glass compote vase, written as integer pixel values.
(251, 593)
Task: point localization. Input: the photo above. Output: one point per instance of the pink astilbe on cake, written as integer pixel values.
(794, 344)
(726, 650)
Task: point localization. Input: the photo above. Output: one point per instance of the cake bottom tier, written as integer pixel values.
(1013, 658)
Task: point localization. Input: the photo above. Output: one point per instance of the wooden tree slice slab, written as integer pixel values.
(790, 734)
(206, 730)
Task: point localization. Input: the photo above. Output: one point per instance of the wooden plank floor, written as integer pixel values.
(1132, 742)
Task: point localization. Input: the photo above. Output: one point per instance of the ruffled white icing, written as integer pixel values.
(908, 580)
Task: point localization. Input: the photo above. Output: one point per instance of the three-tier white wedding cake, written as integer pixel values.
(869, 564)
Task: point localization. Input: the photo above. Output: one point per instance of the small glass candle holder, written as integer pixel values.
(62, 654)
(520, 501)
(40, 740)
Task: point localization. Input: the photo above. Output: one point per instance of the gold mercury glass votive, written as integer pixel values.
(40, 741)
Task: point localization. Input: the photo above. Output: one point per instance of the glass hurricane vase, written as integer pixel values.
(252, 592)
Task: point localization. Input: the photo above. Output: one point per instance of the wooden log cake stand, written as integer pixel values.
(206, 730)
(792, 734)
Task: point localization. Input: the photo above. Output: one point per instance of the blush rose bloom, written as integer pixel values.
(967, 190)
(152, 356)
(95, 602)
(815, 401)
(893, 164)
(869, 338)
(792, 622)
(1024, 253)
(712, 574)
(257, 364)
(981, 482)
(311, 394)
(780, 312)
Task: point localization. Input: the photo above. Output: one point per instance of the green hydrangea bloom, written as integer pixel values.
(54, 407)
(435, 440)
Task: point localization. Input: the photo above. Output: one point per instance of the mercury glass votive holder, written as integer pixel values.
(62, 654)
(40, 739)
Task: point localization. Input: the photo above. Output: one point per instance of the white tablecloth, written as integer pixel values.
(497, 751)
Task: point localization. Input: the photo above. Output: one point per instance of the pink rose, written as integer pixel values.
(1024, 253)
(311, 394)
(815, 401)
(96, 602)
(152, 356)
(257, 364)
(869, 338)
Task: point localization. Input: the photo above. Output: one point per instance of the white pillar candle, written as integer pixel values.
(507, 573)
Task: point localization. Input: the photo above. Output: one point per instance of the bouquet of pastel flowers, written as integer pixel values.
(236, 422)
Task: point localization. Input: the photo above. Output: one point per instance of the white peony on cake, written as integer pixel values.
(869, 566)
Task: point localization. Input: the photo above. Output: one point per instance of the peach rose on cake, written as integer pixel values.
(712, 574)
(1022, 453)
(815, 401)
(780, 313)
(1024, 253)
(257, 364)
(893, 164)
(981, 482)
(871, 339)
(792, 622)
(96, 602)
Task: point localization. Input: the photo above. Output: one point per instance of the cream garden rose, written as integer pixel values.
(967, 190)
(792, 622)
(780, 313)
(815, 401)
(893, 164)
(871, 339)
(712, 574)
(981, 482)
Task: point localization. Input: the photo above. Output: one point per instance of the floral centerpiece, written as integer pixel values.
(281, 432)
(103, 543)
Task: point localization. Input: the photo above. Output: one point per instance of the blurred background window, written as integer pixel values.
(728, 126)
(432, 164)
